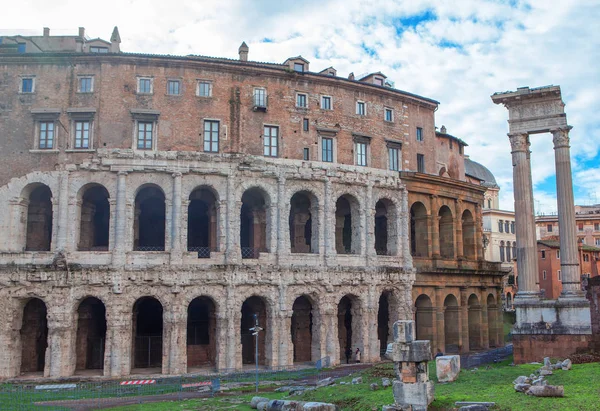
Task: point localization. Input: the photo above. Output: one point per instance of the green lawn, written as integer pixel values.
(491, 383)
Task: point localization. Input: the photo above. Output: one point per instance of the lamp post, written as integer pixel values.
(255, 330)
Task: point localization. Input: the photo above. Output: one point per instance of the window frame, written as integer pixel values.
(544, 274)
(420, 163)
(543, 254)
(270, 146)
(254, 96)
(89, 133)
(389, 110)
(145, 116)
(549, 227)
(211, 142)
(299, 65)
(145, 140)
(98, 49)
(39, 134)
(559, 274)
(558, 254)
(179, 87)
(200, 83)
(361, 156)
(298, 98)
(419, 134)
(361, 103)
(324, 149)
(80, 79)
(22, 79)
(328, 98)
(150, 80)
(305, 125)
(306, 154)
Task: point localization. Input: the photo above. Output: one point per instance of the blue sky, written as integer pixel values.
(458, 52)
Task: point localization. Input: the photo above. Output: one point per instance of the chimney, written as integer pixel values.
(46, 32)
(243, 50)
(443, 130)
(115, 41)
(351, 76)
(81, 31)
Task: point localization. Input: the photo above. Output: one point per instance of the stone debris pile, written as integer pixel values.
(536, 384)
(267, 404)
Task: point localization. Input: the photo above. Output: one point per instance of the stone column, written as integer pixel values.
(368, 234)
(280, 221)
(121, 220)
(434, 227)
(118, 359)
(329, 229)
(527, 263)
(174, 340)
(63, 212)
(329, 332)
(478, 232)
(499, 321)
(286, 346)
(176, 252)
(569, 262)
(60, 354)
(464, 320)
(440, 343)
(232, 225)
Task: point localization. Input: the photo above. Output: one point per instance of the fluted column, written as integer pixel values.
(121, 219)
(527, 264)
(176, 253)
(63, 212)
(569, 262)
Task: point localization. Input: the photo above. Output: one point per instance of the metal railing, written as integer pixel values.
(250, 252)
(203, 252)
(149, 248)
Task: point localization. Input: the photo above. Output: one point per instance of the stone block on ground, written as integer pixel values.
(546, 391)
(404, 331)
(566, 365)
(539, 381)
(319, 406)
(325, 382)
(447, 368)
(374, 387)
(262, 406)
(521, 380)
(415, 394)
(357, 380)
(417, 351)
(522, 387)
(474, 407)
(547, 362)
(385, 382)
(256, 400)
(284, 405)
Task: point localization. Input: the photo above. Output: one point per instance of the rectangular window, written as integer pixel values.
(559, 275)
(544, 274)
(27, 85)
(500, 226)
(301, 100)
(580, 227)
(420, 163)
(596, 226)
(597, 241)
(98, 49)
(326, 102)
(204, 89)
(543, 254)
(389, 115)
(144, 135)
(558, 254)
(270, 141)
(327, 149)
(173, 87)
(549, 228)
(507, 227)
(145, 85)
(21, 47)
(361, 153)
(299, 67)
(394, 158)
(260, 97)
(305, 124)
(211, 136)
(82, 134)
(85, 84)
(306, 154)
(378, 81)
(419, 134)
(46, 136)
(360, 108)
(512, 227)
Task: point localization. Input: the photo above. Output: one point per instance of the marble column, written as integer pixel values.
(176, 253)
(569, 262)
(121, 220)
(527, 263)
(63, 212)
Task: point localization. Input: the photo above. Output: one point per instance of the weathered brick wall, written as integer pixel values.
(593, 296)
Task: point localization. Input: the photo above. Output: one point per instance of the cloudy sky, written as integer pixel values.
(458, 52)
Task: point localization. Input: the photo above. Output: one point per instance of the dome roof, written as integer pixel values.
(478, 171)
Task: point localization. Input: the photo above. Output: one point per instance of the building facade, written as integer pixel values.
(587, 220)
(156, 205)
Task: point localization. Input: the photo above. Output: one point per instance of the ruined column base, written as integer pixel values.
(416, 395)
(550, 328)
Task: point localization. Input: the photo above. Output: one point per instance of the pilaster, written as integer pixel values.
(176, 246)
(63, 212)
(121, 220)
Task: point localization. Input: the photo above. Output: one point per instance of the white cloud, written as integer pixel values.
(494, 46)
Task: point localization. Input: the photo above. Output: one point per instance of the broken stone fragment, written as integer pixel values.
(546, 391)
(567, 364)
(447, 368)
(319, 406)
(522, 387)
(547, 362)
(256, 400)
(521, 380)
(545, 371)
(385, 382)
(374, 387)
(357, 380)
(325, 382)
(539, 381)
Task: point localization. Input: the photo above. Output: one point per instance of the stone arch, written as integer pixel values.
(39, 221)
(386, 233)
(474, 308)
(424, 318)
(492, 320)
(147, 333)
(302, 329)
(446, 232)
(34, 336)
(468, 235)
(451, 324)
(203, 221)
(149, 226)
(254, 308)
(255, 222)
(201, 332)
(347, 225)
(349, 326)
(91, 334)
(303, 222)
(419, 241)
(388, 312)
(94, 218)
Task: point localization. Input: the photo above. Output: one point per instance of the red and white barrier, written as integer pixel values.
(138, 382)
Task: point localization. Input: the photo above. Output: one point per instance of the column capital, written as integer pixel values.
(519, 141)
(122, 173)
(176, 174)
(560, 136)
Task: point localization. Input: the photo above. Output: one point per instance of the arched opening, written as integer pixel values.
(34, 336)
(95, 219)
(39, 219)
(451, 324)
(254, 223)
(302, 329)
(201, 333)
(492, 313)
(202, 222)
(149, 225)
(348, 327)
(509, 303)
(446, 230)
(418, 230)
(508, 251)
(424, 318)
(253, 308)
(347, 225)
(514, 250)
(385, 228)
(91, 334)
(148, 332)
(383, 321)
(302, 219)
(474, 323)
(502, 251)
(468, 233)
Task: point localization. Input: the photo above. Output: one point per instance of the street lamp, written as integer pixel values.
(255, 330)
